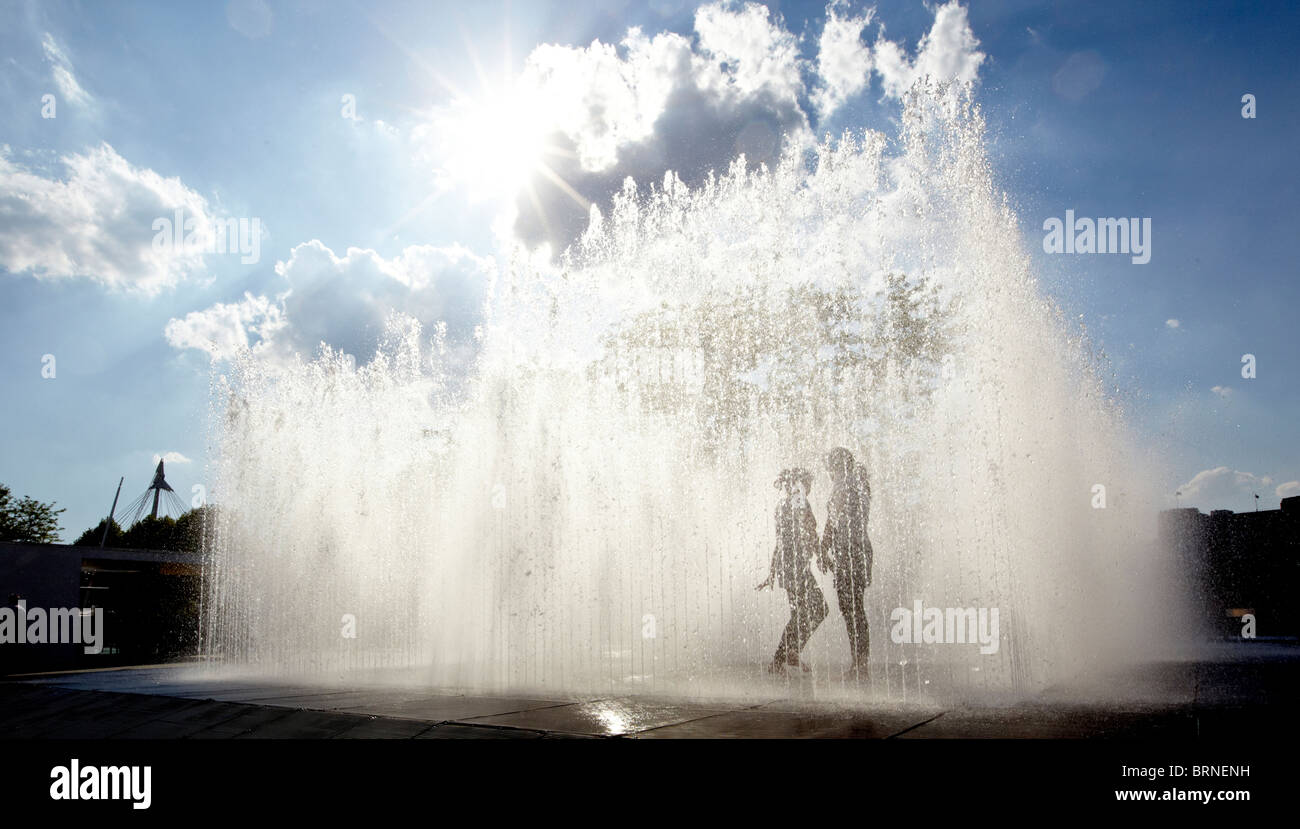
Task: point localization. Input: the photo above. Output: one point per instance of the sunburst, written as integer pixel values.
(497, 141)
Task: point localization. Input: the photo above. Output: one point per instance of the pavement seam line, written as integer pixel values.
(918, 725)
(467, 720)
(684, 722)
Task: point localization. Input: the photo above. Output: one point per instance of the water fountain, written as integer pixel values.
(591, 509)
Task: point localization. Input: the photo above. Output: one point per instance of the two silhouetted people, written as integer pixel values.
(844, 550)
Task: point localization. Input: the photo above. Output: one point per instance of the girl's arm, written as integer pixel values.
(828, 535)
(824, 559)
(771, 570)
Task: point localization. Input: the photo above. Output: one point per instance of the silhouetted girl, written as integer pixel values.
(791, 569)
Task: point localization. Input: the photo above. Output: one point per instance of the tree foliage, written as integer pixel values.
(789, 352)
(92, 536)
(35, 522)
(28, 520)
(190, 533)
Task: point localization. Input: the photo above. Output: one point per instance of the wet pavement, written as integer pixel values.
(1242, 694)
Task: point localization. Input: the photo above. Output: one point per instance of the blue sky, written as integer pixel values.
(238, 109)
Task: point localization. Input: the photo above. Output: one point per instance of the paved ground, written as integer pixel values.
(1234, 694)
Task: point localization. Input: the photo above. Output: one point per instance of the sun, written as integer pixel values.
(495, 142)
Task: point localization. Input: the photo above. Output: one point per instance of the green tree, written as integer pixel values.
(193, 532)
(151, 534)
(28, 520)
(196, 530)
(92, 536)
(795, 352)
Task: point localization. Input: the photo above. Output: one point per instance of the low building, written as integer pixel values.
(1239, 563)
(149, 600)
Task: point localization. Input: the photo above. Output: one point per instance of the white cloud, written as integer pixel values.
(1288, 490)
(602, 101)
(1172, 323)
(599, 114)
(747, 53)
(843, 60)
(344, 301)
(651, 104)
(225, 329)
(95, 223)
(170, 457)
(948, 52)
(1222, 392)
(1223, 488)
(64, 78)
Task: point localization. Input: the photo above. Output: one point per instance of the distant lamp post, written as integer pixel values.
(103, 538)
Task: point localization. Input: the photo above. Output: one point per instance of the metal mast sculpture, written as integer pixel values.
(154, 494)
